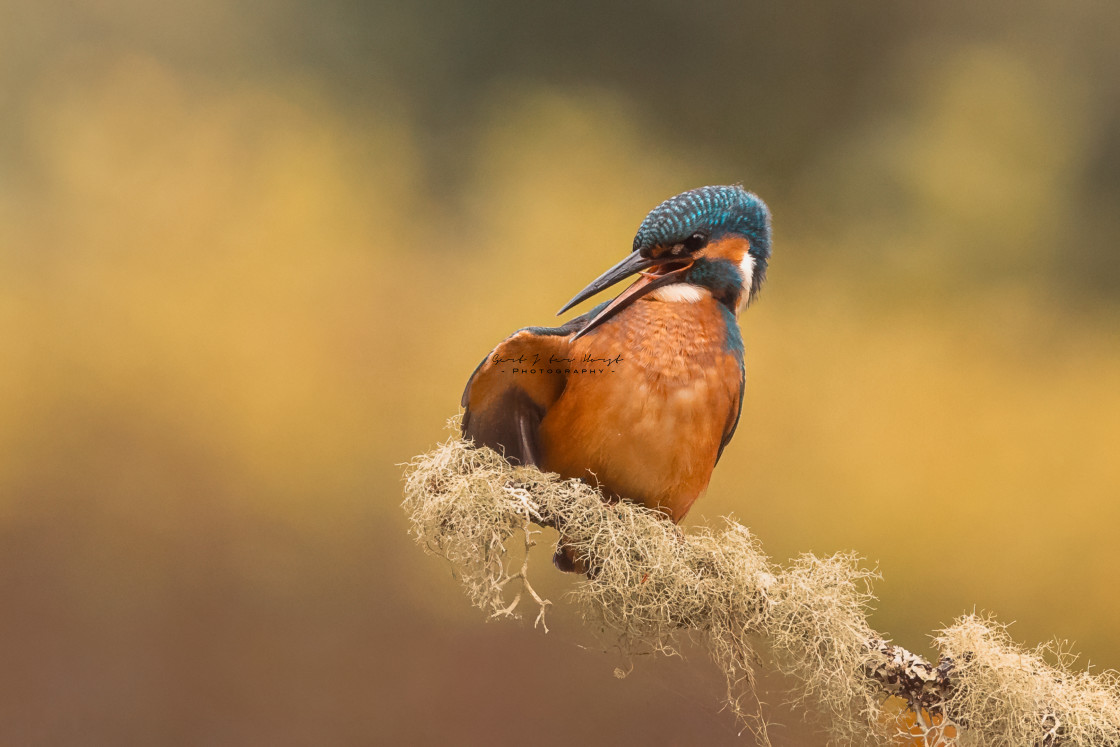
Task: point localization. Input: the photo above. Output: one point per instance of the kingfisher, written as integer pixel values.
(639, 396)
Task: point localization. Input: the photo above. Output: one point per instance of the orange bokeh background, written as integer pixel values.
(249, 255)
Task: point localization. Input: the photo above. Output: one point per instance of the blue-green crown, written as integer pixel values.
(714, 210)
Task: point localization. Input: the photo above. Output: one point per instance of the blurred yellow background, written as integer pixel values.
(250, 252)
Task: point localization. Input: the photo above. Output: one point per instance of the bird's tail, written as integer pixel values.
(567, 560)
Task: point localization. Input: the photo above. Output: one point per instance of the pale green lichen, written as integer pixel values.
(651, 584)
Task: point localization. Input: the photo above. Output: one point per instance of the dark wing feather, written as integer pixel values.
(733, 422)
(507, 423)
(503, 410)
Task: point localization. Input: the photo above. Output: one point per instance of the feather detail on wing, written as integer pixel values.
(510, 391)
(733, 420)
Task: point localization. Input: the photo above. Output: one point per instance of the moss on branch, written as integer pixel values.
(651, 585)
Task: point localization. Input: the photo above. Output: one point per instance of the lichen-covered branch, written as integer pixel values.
(652, 584)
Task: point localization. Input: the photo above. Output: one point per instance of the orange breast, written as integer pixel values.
(648, 427)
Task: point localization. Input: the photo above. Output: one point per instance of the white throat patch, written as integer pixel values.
(681, 293)
(746, 266)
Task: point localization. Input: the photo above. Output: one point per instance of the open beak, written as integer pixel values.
(665, 271)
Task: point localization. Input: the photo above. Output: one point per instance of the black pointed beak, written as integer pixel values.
(670, 269)
(634, 262)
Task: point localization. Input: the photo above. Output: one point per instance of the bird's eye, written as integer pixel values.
(696, 242)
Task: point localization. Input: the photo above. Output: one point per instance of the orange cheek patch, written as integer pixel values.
(733, 248)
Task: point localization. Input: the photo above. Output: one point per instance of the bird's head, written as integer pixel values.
(711, 240)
